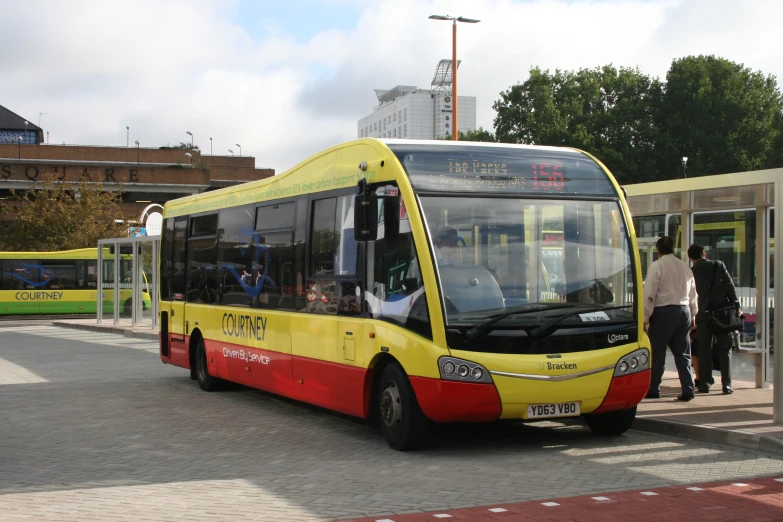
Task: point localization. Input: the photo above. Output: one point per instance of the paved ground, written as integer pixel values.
(759, 500)
(94, 427)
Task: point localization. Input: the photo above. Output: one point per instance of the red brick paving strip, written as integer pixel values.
(751, 500)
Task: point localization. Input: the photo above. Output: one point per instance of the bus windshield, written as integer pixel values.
(494, 254)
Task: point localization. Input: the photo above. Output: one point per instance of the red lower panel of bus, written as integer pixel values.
(626, 392)
(450, 401)
(338, 387)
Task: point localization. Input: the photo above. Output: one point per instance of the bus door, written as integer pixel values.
(176, 320)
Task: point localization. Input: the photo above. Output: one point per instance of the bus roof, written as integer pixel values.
(334, 168)
(81, 253)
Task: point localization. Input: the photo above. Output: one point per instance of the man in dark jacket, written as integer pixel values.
(712, 273)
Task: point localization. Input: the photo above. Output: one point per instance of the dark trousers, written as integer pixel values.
(670, 326)
(705, 338)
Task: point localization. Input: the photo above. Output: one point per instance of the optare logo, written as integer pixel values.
(613, 338)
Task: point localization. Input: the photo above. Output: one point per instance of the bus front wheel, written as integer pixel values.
(402, 422)
(205, 381)
(611, 423)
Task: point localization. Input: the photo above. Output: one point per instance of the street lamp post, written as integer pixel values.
(191, 138)
(231, 151)
(210, 145)
(47, 137)
(189, 155)
(240, 149)
(455, 117)
(137, 151)
(684, 166)
(127, 136)
(19, 141)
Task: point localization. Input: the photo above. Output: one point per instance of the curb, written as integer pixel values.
(711, 434)
(139, 334)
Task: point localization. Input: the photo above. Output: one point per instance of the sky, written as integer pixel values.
(287, 79)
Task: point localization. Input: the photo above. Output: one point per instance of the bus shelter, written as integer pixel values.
(733, 217)
(128, 272)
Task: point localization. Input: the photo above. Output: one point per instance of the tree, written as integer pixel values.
(607, 112)
(723, 116)
(54, 216)
(475, 135)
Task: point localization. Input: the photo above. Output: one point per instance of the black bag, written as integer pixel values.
(722, 320)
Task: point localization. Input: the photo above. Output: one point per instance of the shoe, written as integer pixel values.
(685, 398)
(728, 390)
(652, 395)
(702, 390)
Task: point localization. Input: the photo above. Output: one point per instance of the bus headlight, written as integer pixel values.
(453, 369)
(634, 362)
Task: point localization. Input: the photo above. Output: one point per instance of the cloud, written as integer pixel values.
(164, 67)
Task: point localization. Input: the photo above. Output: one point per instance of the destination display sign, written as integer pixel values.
(473, 168)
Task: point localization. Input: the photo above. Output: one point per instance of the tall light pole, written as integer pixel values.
(189, 155)
(210, 145)
(455, 117)
(137, 150)
(240, 149)
(127, 136)
(19, 141)
(684, 166)
(191, 138)
(26, 123)
(231, 151)
(47, 137)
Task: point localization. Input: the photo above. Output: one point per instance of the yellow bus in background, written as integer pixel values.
(63, 282)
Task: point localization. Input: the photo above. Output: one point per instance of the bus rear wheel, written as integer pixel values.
(205, 381)
(403, 424)
(611, 423)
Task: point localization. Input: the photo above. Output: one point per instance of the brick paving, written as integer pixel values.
(758, 500)
(97, 428)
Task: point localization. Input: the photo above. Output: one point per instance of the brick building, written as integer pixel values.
(145, 175)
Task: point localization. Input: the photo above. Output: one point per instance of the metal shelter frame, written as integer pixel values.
(758, 190)
(136, 244)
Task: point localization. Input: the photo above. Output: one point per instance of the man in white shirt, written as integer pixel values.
(670, 306)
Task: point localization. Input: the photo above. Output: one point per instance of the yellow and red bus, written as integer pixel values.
(64, 282)
(399, 280)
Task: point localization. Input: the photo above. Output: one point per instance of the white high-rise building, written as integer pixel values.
(409, 112)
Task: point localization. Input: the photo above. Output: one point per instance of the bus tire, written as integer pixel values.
(205, 381)
(402, 422)
(612, 423)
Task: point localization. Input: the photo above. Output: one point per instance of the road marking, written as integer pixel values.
(696, 489)
(11, 373)
(442, 515)
(648, 493)
(497, 510)
(601, 498)
(550, 504)
(740, 485)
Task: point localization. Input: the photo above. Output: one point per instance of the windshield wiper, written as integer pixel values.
(546, 329)
(486, 327)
